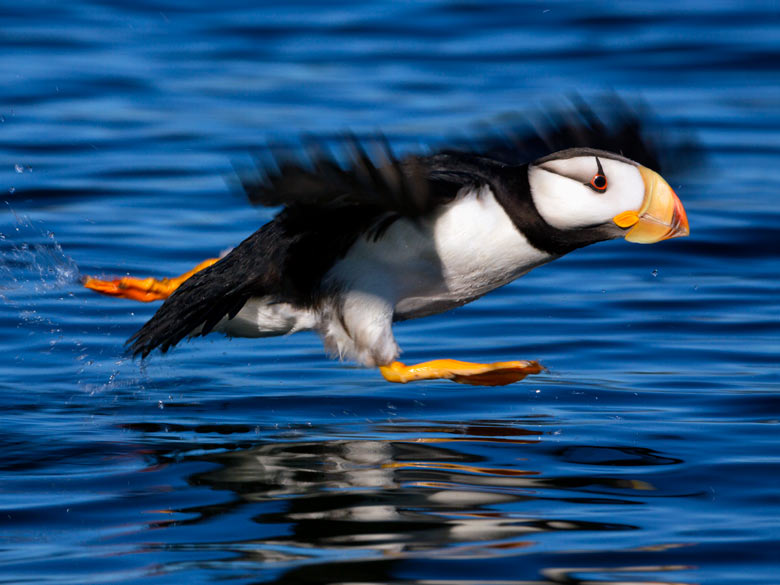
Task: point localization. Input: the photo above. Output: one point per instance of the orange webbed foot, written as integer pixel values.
(495, 374)
(143, 289)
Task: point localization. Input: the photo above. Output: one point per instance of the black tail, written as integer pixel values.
(219, 291)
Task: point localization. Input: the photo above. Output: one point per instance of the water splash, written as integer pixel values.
(33, 268)
(31, 259)
(36, 276)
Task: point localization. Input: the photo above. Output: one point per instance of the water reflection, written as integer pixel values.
(368, 507)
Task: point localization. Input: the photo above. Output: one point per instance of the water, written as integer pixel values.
(647, 454)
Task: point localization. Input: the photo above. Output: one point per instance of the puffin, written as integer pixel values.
(365, 238)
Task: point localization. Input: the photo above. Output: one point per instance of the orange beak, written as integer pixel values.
(661, 216)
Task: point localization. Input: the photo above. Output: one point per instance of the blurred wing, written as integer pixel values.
(607, 124)
(311, 176)
(357, 175)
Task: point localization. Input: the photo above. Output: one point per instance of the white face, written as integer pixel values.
(572, 192)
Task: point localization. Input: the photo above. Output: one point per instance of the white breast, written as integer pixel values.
(467, 249)
(479, 246)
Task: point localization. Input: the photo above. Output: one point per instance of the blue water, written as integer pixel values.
(647, 454)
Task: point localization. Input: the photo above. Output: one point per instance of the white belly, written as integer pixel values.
(260, 318)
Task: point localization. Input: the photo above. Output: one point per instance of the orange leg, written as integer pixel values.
(496, 374)
(143, 289)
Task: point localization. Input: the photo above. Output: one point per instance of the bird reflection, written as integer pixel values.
(321, 507)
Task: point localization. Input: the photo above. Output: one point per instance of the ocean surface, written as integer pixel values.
(649, 453)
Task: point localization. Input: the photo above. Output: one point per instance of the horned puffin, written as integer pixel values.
(360, 245)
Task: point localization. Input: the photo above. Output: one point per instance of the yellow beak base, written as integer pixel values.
(661, 217)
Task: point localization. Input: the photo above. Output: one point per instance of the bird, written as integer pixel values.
(365, 238)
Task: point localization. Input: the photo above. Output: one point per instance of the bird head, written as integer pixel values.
(583, 187)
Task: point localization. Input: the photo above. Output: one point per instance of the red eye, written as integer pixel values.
(599, 182)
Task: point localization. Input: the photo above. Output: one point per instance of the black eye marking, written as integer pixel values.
(599, 181)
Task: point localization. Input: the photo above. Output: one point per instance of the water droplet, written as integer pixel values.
(12, 190)
(655, 272)
(19, 168)
(160, 404)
